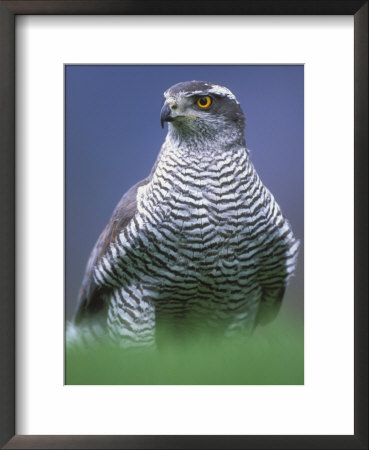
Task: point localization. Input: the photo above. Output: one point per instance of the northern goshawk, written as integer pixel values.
(200, 243)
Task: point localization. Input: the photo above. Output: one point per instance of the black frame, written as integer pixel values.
(8, 11)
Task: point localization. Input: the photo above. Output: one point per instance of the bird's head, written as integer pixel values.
(200, 112)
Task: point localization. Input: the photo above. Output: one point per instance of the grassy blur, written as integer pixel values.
(274, 355)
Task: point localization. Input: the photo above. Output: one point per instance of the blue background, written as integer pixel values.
(113, 136)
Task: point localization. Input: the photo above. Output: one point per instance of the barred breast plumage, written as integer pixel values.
(201, 242)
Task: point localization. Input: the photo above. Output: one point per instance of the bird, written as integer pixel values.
(200, 244)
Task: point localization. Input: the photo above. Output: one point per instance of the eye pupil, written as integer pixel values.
(203, 101)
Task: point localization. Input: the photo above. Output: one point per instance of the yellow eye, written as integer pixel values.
(204, 102)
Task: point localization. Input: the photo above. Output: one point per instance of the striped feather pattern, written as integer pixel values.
(208, 245)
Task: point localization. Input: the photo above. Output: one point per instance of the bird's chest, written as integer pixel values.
(195, 217)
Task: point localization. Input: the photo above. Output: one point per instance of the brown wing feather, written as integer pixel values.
(91, 296)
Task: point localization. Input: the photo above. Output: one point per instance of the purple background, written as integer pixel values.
(113, 136)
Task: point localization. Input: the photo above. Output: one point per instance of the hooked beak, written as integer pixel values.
(166, 114)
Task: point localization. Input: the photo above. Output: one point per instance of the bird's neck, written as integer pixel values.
(205, 142)
(180, 156)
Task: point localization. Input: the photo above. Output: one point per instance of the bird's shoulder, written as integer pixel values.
(122, 215)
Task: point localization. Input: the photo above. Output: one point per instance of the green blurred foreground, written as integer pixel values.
(273, 355)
